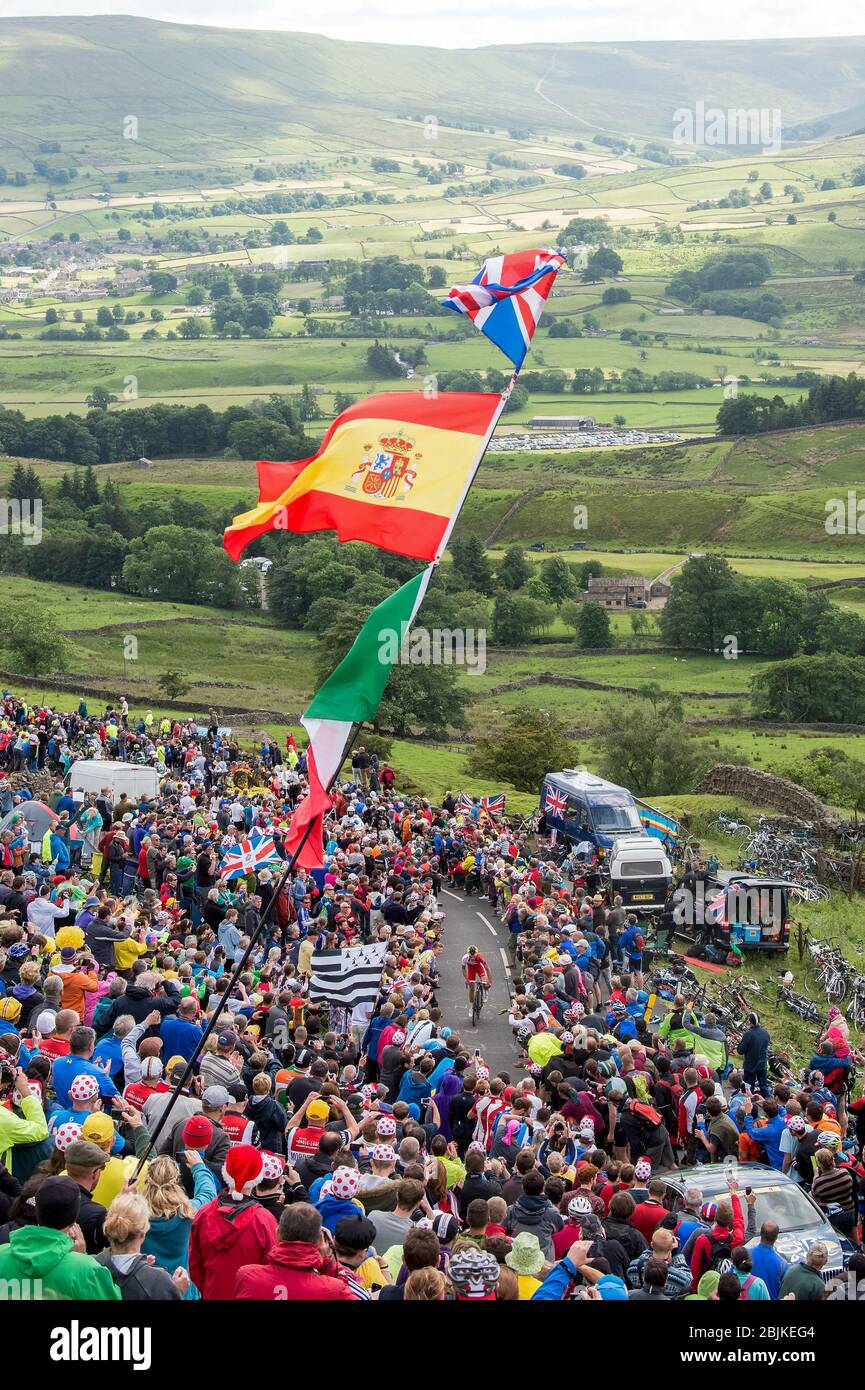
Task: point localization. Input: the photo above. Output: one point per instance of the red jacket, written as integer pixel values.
(226, 1235)
(295, 1271)
(702, 1252)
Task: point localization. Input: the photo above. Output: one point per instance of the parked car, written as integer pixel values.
(801, 1223)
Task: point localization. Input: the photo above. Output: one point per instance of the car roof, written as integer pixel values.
(711, 1178)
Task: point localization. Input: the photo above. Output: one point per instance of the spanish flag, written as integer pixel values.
(392, 470)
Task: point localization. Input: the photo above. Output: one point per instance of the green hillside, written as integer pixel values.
(220, 91)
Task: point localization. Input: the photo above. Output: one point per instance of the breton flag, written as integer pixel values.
(392, 470)
(347, 977)
(507, 296)
(248, 856)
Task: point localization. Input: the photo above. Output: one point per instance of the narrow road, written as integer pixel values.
(471, 921)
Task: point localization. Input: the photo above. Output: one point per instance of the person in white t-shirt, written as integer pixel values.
(42, 913)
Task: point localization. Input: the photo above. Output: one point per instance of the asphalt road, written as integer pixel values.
(472, 921)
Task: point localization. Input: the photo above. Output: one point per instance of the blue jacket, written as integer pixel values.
(179, 1038)
(825, 1065)
(769, 1266)
(753, 1048)
(769, 1135)
(377, 1025)
(65, 1071)
(554, 1287)
(110, 1049)
(167, 1239)
(333, 1209)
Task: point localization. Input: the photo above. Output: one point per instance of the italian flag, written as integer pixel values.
(351, 694)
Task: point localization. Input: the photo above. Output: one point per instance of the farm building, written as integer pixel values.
(616, 593)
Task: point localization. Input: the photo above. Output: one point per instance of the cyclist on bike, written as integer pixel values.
(475, 969)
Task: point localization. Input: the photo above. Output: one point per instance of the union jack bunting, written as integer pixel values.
(555, 802)
(506, 298)
(251, 854)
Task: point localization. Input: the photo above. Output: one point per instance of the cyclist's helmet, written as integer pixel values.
(708, 1211)
(830, 1141)
(524, 1033)
(474, 1273)
(472, 951)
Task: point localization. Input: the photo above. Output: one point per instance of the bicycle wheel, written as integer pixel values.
(477, 1005)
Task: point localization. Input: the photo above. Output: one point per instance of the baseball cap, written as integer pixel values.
(318, 1110)
(45, 1021)
(227, 1039)
(85, 1154)
(99, 1128)
(215, 1096)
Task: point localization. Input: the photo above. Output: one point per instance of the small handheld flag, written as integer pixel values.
(507, 296)
(249, 856)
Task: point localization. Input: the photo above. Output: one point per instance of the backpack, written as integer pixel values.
(647, 1112)
(639, 943)
(720, 1254)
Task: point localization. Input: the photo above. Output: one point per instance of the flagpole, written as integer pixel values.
(238, 970)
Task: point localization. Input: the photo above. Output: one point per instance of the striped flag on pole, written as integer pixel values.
(349, 976)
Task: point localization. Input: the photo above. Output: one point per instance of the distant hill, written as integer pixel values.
(201, 93)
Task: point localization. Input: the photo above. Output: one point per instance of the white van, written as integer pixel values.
(90, 775)
(640, 872)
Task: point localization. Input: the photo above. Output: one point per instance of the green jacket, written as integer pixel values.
(37, 1252)
(713, 1048)
(14, 1130)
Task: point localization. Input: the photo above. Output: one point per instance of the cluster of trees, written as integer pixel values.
(646, 746)
(388, 285)
(718, 283)
(166, 549)
(157, 431)
(709, 604)
(820, 689)
(830, 398)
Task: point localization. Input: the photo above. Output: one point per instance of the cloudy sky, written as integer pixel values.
(468, 23)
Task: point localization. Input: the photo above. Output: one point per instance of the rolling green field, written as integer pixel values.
(478, 156)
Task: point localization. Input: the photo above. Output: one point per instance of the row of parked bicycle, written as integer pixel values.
(790, 855)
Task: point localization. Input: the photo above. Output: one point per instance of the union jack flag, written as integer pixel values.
(506, 298)
(251, 854)
(555, 802)
(495, 805)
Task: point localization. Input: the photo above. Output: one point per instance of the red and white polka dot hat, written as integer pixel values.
(274, 1166)
(83, 1087)
(66, 1134)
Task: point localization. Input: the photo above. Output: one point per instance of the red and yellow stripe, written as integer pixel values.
(435, 443)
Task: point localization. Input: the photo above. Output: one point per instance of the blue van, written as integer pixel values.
(580, 806)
